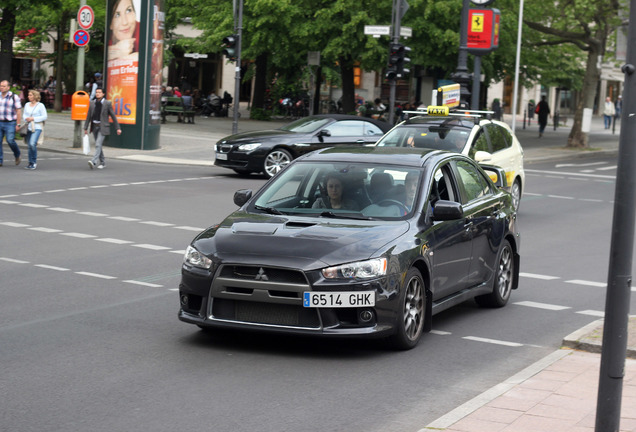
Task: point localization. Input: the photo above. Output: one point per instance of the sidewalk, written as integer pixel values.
(558, 393)
(193, 144)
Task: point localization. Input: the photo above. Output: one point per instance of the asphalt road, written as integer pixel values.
(89, 336)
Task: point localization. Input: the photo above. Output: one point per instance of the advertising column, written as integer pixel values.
(134, 62)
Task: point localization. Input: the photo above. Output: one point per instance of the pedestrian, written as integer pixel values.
(10, 117)
(618, 107)
(608, 112)
(35, 115)
(496, 108)
(543, 111)
(98, 112)
(97, 83)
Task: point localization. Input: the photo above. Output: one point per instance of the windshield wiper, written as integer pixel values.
(270, 210)
(333, 215)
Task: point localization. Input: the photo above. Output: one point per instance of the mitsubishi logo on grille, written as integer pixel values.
(261, 275)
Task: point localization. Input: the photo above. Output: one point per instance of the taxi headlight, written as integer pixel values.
(196, 259)
(368, 269)
(249, 147)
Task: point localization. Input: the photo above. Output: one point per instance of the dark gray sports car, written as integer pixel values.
(366, 241)
(270, 151)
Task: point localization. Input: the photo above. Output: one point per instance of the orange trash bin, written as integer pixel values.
(79, 105)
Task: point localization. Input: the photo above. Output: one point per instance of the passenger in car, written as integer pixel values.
(332, 195)
(410, 185)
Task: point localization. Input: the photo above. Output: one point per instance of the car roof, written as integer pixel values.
(399, 156)
(381, 124)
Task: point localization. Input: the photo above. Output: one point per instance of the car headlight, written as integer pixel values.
(249, 147)
(196, 259)
(368, 269)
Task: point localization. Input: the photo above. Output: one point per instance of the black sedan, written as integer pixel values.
(270, 151)
(356, 241)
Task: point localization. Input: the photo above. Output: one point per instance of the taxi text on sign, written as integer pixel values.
(483, 30)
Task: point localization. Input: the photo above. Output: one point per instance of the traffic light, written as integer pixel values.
(397, 58)
(230, 46)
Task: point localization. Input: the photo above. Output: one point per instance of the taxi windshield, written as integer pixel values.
(449, 136)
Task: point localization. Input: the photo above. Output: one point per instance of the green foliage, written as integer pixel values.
(260, 114)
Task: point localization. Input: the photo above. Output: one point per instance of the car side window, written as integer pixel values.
(346, 128)
(475, 185)
(480, 144)
(372, 130)
(498, 137)
(441, 188)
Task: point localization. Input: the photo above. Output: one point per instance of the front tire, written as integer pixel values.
(411, 312)
(502, 285)
(515, 191)
(275, 161)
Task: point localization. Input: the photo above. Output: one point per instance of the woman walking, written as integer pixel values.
(34, 115)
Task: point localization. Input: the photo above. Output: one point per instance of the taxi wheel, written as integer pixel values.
(502, 285)
(515, 191)
(275, 161)
(412, 308)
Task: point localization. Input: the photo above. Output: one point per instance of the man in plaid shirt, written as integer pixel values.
(10, 117)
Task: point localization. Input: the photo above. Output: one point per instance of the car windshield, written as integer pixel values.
(306, 125)
(341, 190)
(448, 136)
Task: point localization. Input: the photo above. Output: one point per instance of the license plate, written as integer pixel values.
(221, 156)
(341, 299)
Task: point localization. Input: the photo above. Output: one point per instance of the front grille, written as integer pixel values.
(264, 274)
(265, 313)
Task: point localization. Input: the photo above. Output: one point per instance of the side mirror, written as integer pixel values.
(242, 196)
(482, 156)
(324, 133)
(444, 210)
(497, 175)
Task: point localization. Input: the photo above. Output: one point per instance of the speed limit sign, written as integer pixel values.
(85, 17)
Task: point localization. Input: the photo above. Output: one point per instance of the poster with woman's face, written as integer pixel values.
(156, 61)
(122, 66)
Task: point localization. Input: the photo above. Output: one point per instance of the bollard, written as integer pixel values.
(524, 118)
(556, 120)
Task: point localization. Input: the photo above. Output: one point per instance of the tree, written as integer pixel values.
(587, 25)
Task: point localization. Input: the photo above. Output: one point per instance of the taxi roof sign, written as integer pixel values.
(450, 95)
(437, 110)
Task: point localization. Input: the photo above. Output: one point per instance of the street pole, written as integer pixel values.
(461, 75)
(518, 59)
(474, 101)
(395, 25)
(79, 85)
(237, 75)
(619, 280)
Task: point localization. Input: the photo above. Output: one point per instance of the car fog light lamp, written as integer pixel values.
(196, 259)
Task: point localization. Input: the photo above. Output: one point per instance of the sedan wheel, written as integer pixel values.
(411, 314)
(515, 191)
(275, 161)
(502, 285)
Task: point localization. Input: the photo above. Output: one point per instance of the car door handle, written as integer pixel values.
(360, 141)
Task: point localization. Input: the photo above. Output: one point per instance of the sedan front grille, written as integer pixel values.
(265, 313)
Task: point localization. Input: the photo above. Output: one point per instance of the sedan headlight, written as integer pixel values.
(196, 259)
(249, 147)
(368, 269)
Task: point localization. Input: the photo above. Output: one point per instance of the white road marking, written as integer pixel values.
(98, 186)
(55, 191)
(124, 218)
(32, 205)
(155, 223)
(151, 247)
(31, 193)
(592, 313)
(586, 283)
(15, 261)
(440, 332)
(492, 341)
(607, 168)
(50, 267)
(180, 252)
(143, 284)
(9, 202)
(77, 188)
(542, 305)
(560, 197)
(114, 241)
(78, 235)
(45, 230)
(92, 214)
(579, 165)
(61, 209)
(538, 276)
(15, 224)
(547, 173)
(189, 228)
(96, 275)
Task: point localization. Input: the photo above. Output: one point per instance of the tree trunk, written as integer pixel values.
(7, 30)
(260, 82)
(317, 90)
(59, 64)
(577, 137)
(348, 87)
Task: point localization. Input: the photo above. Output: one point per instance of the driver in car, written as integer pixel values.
(334, 187)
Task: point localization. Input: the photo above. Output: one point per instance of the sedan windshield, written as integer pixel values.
(306, 125)
(342, 190)
(437, 136)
